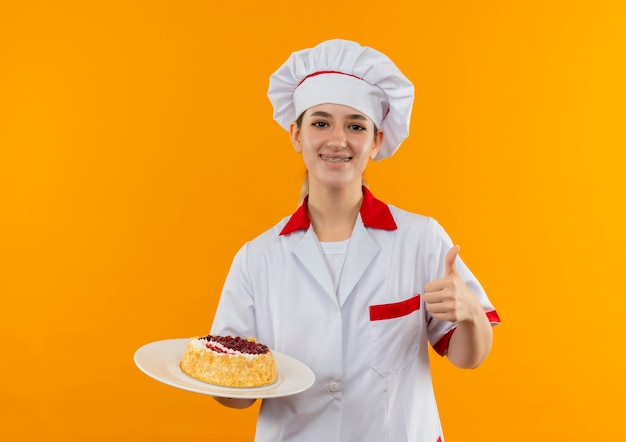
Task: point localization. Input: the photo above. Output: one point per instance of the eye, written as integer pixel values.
(356, 127)
(319, 124)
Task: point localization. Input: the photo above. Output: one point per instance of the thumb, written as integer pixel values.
(451, 261)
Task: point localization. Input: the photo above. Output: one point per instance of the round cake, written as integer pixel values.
(229, 361)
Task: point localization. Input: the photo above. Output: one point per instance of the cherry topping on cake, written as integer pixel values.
(236, 343)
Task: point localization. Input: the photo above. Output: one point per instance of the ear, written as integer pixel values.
(294, 133)
(378, 141)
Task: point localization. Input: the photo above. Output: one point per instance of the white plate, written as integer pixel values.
(160, 360)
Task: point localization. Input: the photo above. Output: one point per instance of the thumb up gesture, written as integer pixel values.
(448, 298)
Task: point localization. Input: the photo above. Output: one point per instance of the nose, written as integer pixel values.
(337, 139)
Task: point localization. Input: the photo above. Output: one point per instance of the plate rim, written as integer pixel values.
(161, 371)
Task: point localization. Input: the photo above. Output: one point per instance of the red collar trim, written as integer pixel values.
(374, 213)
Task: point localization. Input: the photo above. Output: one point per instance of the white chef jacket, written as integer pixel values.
(366, 342)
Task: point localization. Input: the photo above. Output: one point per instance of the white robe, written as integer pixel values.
(366, 342)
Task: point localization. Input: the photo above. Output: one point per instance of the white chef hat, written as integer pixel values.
(344, 72)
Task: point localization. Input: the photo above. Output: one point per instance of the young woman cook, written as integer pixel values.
(349, 285)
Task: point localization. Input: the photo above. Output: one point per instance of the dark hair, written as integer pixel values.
(299, 120)
(301, 117)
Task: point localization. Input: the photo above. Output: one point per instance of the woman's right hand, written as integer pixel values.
(235, 403)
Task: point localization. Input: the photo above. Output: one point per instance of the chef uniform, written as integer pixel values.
(363, 328)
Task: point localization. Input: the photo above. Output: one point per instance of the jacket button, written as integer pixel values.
(334, 386)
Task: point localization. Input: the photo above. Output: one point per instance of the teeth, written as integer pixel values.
(336, 160)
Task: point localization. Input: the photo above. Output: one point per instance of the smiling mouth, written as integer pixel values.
(335, 159)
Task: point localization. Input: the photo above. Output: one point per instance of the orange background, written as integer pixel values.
(138, 153)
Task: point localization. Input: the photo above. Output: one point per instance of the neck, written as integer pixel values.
(333, 212)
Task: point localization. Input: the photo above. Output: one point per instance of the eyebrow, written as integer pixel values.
(327, 115)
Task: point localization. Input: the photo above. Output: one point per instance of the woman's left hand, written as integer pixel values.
(448, 298)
